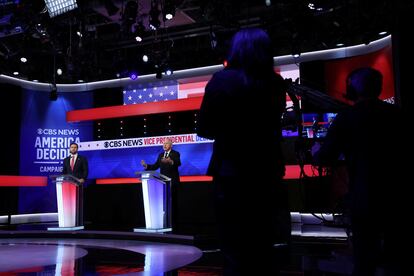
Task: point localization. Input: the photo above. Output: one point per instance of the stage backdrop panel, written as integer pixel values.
(121, 157)
(44, 142)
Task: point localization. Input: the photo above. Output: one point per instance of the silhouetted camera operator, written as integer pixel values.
(369, 135)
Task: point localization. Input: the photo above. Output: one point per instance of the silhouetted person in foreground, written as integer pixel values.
(241, 111)
(370, 134)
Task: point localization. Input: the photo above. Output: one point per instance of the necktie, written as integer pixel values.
(72, 159)
(166, 154)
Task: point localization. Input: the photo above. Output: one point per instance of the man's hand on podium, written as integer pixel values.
(81, 180)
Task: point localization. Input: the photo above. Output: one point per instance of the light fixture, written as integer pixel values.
(53, 92)
(169, 10)
(296, 50)
(57, 7)
(154, 13)
(133, 76)
(145, 58)
(129, 17)
(213, 39)
(168, 72)
(158, 72)
(139, 31)
(23, 59)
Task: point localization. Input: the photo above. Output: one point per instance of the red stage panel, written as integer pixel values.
(196, 178)
(22, 181)
(292, 172)
(109, 181)
(187, 178)
(133, 110)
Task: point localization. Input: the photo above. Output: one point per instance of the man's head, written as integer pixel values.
(167, 144)
(73, 148)
(363, 83)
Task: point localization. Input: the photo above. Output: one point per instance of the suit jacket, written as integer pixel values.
(167, 169)
(80, 169)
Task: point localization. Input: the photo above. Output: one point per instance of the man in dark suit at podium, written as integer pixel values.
(75, 164)
(168, 162)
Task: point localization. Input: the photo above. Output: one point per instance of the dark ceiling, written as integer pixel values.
(197, 36)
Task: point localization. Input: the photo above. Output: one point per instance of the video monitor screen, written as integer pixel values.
(316, 125)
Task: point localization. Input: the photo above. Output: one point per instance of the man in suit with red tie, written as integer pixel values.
(75, 164)
(168, 162)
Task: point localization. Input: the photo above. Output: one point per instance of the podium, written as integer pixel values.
(69, 201)
(156, 192)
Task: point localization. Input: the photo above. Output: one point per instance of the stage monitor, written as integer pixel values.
(316, 125)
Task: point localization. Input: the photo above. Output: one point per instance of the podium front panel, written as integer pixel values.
(67, 203)
(155, 191)
(154, 203)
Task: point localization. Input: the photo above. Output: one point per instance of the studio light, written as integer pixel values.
(133, 76)
(139, 31)
(158, 72)
(154, 22)
(56, 7)
(131, 11)
(169, 9)
(53, 93)
(168, 72)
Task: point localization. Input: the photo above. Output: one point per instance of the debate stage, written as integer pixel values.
(29, 249)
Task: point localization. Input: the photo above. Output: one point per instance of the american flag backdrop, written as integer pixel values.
(162, 91)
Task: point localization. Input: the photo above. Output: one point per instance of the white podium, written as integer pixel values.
(69, 202)
(156, 192)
